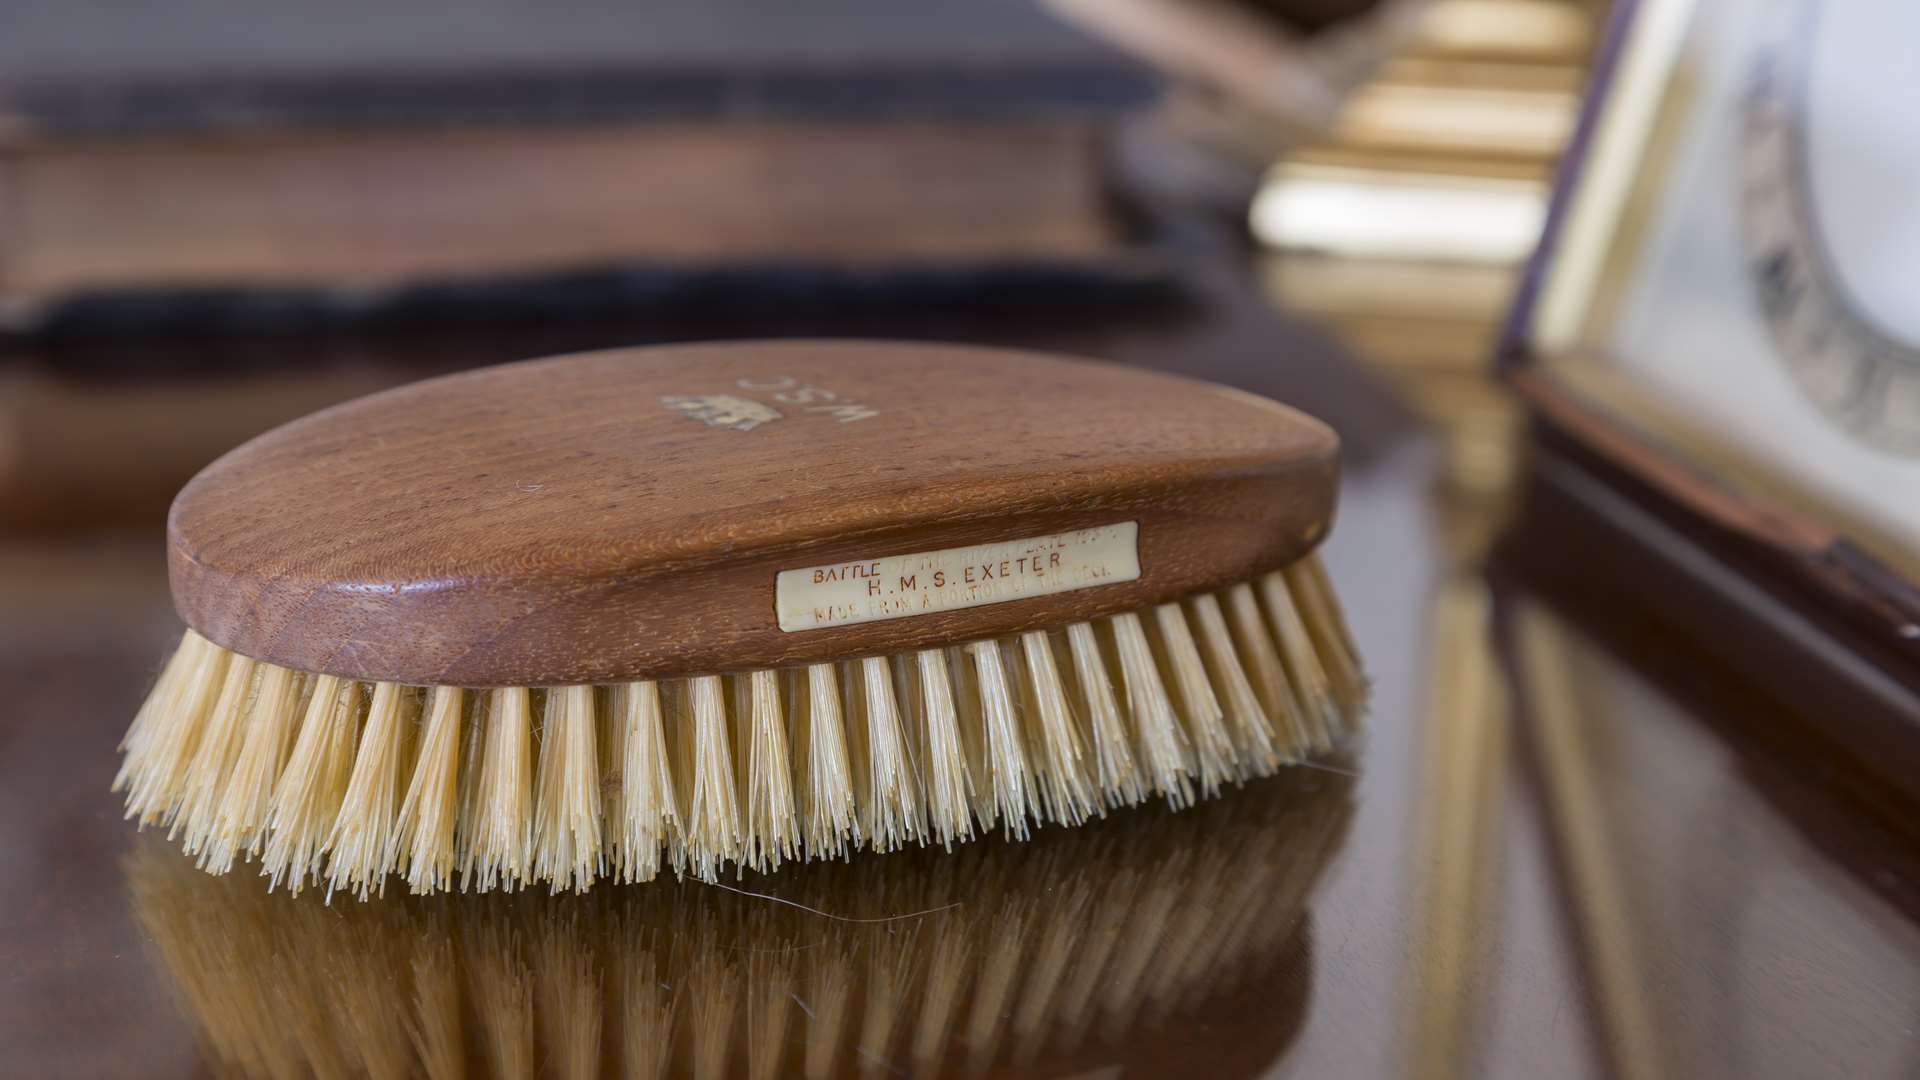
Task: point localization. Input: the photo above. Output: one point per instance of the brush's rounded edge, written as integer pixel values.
(560, 521)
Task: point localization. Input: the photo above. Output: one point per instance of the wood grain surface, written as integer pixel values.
(558, 521)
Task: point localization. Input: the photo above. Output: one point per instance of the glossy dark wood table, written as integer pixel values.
(1565, 847)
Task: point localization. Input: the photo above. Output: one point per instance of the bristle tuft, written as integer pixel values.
(1252, 732)
(362, 838)
(566, 801)
(497, 853)
(772, 829)
(1293, 740)
(155, 771)
(240, 822)
(423, 841)
(1327, 626)
(1119, 775)
(1163, 742)
(311, 789)
(1066, 790)
(649, 809)
(162, 703)
(893, 786)
(1014, 798)
(949, 782)
(1206, 724)
(832, 819)
(713, 823)
(214, 756)
(1318, 705)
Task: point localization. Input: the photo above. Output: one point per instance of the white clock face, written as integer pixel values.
(1831, 209)
(1769, 272)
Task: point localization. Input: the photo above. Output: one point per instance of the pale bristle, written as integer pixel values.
(610, 731)
(893, 786)
(1005, 756)
(1206, 724)
(497, 851)
(1163, 742)
(831, 818)
(154, 773)
(340, 783)
(1303, 663)
(566, 814)
(949, 781)
(1113, 755)
(649, 811)
(423, 841)
(713, 823)
(772, 826)
(311, 789)
(1327, 625)
(361, 838)
(176, 675)
(214, 756)
(240, 823)
(1269, 673)
(1066, 790)
(1252, 731)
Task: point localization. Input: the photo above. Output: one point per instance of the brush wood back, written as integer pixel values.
(623, 514)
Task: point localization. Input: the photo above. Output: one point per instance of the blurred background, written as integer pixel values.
(217, 217)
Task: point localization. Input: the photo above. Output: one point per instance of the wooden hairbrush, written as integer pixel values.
(738, 603)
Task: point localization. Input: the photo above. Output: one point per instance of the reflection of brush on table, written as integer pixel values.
(1082, 947)
(768, 602)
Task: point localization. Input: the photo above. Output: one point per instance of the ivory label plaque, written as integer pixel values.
(900, 586)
